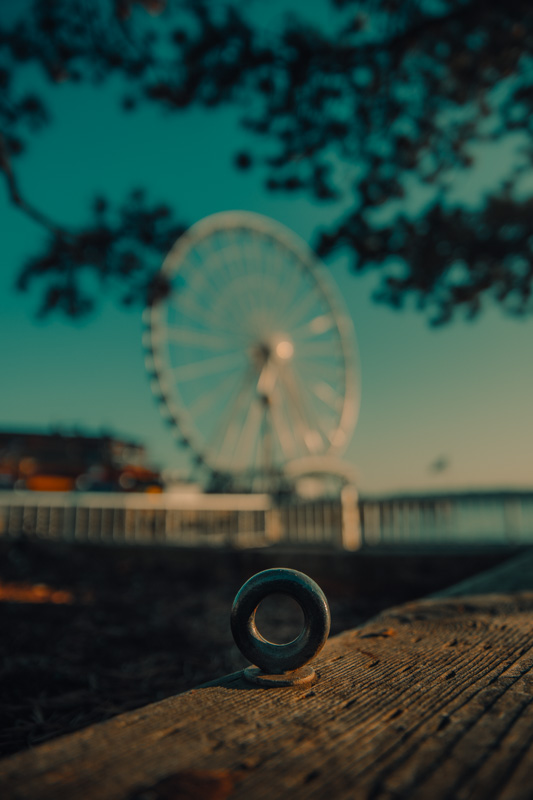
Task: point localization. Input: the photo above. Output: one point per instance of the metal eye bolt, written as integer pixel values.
(280, 664)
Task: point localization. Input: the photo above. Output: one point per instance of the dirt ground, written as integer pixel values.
(88, 632)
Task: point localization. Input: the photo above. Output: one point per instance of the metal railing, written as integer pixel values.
(256, 520)
(179, 519)
(504, 517)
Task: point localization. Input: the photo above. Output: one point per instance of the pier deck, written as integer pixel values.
(430, 699)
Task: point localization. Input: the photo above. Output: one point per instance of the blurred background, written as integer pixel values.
(441, 407)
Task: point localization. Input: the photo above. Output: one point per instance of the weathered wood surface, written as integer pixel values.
(430, 700)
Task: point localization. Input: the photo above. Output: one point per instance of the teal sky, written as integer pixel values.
(464, 391)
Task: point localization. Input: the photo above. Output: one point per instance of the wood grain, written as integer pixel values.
(430, 700)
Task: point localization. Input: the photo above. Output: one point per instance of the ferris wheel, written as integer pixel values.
(252, 354)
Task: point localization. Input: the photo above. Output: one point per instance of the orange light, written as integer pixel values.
(49, 483)
(38, 593)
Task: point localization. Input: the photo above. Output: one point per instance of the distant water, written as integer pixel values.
(503, 518)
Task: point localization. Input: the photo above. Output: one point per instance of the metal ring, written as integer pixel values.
(278, 658)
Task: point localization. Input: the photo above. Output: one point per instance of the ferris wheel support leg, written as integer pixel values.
(351, 533)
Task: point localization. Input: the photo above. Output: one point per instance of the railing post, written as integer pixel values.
(351, 522)
(273, 529)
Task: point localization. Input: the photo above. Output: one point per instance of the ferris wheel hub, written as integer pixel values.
(278, 349)
(260, 354)
(284, 349)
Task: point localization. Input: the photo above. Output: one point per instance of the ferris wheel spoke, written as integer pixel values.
(209, 399)
(299, 412)
(304, 307)
(197, 312)
(271, 280)
(231, 284)
(208, 316)
(278, 261)
(278, 296)
(291, 288)
(318, 326)
(199, 281)
(327, 389)
(195, 277)
(258, 290)
(252, 283)
(207, 367)
(276, 271)
(245, 306)
(221, 273)
(231, 264)
(317, 421)
(313, 372)
(196, 337)
(209, 275)
(328, 396)
(249, 432)
(310, 365)
(284, 434)
(317, 349)
(265, 307)
(230, 423)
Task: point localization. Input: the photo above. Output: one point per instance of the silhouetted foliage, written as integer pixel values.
(388, 98)
(123, 248)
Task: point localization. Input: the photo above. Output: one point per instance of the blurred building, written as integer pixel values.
(62, 462)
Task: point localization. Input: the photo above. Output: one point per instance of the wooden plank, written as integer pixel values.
(430, 700)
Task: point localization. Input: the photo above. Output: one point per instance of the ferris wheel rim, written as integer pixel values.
(176, 413)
